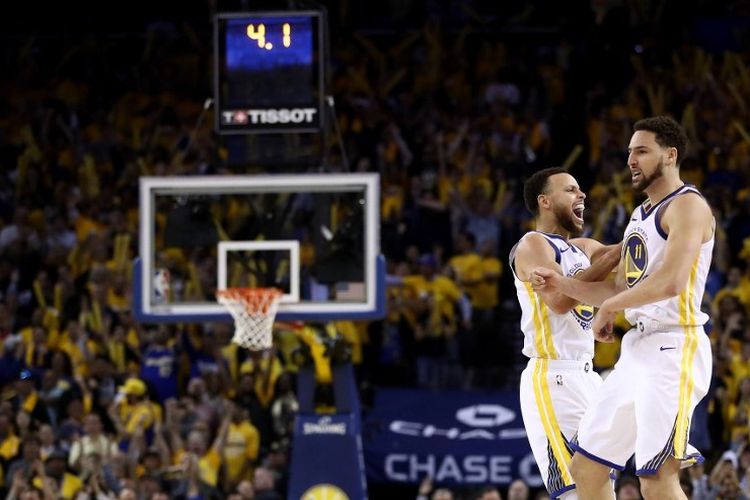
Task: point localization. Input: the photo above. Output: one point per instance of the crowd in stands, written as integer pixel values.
(453, 116)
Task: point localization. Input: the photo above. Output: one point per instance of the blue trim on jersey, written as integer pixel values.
(646, 213)
(558, 258)
(657, 223)
(557, 493)
(699, 459)
(657, 220)
(557, 250)
(646, 472)
(553, 235)
(593, 457)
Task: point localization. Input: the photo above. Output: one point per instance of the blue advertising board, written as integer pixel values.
(457, 438)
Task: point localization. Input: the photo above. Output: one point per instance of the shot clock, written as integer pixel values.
(269, 76)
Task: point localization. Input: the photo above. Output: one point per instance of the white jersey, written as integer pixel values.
(547, 334)
(643, 253)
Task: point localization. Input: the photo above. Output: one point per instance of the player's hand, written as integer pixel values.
(603, 325)
(542, 278)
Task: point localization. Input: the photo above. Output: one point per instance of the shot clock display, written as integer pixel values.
(268, 72)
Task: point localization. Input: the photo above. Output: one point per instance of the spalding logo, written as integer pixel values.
(485, 415)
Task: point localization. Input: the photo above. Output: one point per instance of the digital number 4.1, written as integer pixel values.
(258, 33)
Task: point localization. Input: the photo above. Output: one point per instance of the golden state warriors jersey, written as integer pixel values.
(547, 334)
(643, 253)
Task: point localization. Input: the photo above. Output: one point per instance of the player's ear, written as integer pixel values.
(543, 201)
(672, 156)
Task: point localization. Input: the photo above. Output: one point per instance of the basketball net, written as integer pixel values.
(253, 310)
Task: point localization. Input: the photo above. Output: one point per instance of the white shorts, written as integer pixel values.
(645, 405)
(554, 397)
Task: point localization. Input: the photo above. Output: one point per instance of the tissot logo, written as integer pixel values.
(269, 116)
(485, 415)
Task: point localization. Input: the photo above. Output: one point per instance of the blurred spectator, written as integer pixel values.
(47, 441)
(723, 481)
(442, 494)
(284, 408)
(241, 449)
(133, 414)
(191, 485)
(699, 481)
(27, 398)
(489, 493)
(264, 485)
(159, 365)
(247, 398)
(66, 483)
(628, 488)
(92, 441)
(518, 490)
(29, 455)
(209, 458)
(9, 442)
(246, 490)
(277, 461)
(435, 307)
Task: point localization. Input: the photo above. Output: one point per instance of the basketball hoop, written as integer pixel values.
(253, 310)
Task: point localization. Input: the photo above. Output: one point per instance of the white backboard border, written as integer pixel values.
(371, 308)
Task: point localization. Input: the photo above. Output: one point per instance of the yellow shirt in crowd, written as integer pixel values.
(208, 465)
(241, 447)
(444, 294)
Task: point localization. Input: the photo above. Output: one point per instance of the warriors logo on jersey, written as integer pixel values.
(635, 255)
(582, 312)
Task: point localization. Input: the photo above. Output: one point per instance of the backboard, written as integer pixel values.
(314, 236)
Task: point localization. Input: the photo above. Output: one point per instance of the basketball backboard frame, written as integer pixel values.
(372, 307)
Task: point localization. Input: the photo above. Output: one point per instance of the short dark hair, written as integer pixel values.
(536, 185)
(669, 133)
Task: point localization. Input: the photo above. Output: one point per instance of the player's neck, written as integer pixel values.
(552, 227)
(663, 186)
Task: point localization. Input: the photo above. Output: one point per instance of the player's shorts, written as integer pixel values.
(645, 404)
(554, 397)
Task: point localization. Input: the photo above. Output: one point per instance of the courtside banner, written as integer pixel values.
(457, 438)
